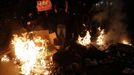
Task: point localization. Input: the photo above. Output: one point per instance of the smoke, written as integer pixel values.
(111, 17)
(117, 27)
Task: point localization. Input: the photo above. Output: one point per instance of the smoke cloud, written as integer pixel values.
(112, 18)
(117, 28)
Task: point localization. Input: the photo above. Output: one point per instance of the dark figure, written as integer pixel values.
(60, 8)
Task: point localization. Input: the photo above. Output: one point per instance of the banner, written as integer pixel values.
(44, 5)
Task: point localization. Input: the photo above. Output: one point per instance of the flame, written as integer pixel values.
(102, 42)
(126, 42)
(85, 41)
(5, 58)
(100, 38)
(32, 54)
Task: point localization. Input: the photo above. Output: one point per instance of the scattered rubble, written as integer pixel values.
(74, 59)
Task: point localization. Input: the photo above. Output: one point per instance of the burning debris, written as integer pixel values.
(32, 53)
(85, 41)
(35, 52)
(100, 39)
(102, 42)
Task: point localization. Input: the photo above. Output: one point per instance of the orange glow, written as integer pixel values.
(103, 40)
(5, 58)
(126, 42)
(100, 38)
(85, 41)
(33, 55)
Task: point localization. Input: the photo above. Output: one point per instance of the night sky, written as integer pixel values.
(23, 7)
(129, 9)
(129, 12)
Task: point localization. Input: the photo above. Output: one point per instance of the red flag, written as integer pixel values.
(44, 5)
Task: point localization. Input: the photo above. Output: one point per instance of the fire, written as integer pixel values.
(100, 42)
(126, 42)
(100, 38)
(5, 58)
(103, 41)
(85, 41)
(32, 54)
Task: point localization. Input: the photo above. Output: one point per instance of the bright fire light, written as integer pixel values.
(85, 41)
(5, 58)
(32, 54)
(101, 38)
(126, 42)
(102, 42)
